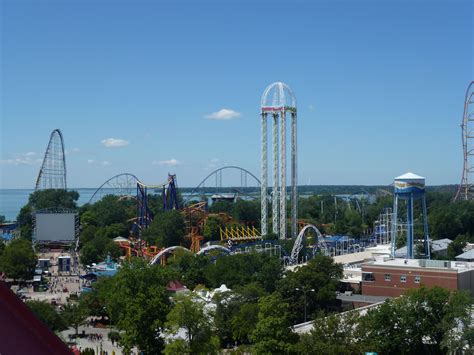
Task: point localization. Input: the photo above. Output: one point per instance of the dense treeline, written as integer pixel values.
(257, 316)
(111, 217)
(137, 303)
(424, 321)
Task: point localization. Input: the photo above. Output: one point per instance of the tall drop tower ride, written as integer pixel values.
(279, 102)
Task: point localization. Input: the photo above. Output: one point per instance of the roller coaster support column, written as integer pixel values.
(294, 178)
(283, 175)
(275, 220)
(264, 177)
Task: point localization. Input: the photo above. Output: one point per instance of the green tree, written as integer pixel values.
(74, 315)
(241, 269)
(334, 334)
(88, 218)
(272, 333)
(53, 198)
(137, 303)
(101, 244)
(243, 322)
(47, 314)
(87, 234)
(319, 278)
(109, 210)
(189, 314)
(2, 247)
(221, 207)
(212, 228)
(89, 254)
(18, 260)
(192, 269)
(424, 320)
(227, 305)
(25, 220)
(167, 229)
(247, 212)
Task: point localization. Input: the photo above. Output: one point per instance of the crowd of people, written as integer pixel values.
(58, 284)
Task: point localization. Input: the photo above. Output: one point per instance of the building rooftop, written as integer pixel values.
(468, 255)
(422, 263)
(436, 247)
(440, 244)
(22, 332)
(367, 254)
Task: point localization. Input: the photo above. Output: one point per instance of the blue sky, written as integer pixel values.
(380, 86)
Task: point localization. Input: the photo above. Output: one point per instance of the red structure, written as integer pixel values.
(21, 332)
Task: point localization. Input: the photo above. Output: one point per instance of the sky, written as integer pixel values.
(151, 87)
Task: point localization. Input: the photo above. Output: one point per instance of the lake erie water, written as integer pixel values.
(12, 200)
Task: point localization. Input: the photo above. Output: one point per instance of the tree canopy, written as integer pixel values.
(18, 259)
(167, 229)
(48, 315)
(317, 281)
(189, 314)
(425, 321)
(137, 303)
(272, 333)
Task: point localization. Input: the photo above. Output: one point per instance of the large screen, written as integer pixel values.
(55, 227)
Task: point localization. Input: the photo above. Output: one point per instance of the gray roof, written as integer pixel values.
(436, 246)
(401, 253)
(440, 244)
(468, 255)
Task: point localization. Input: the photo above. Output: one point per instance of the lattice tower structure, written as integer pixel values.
(466, 188)
(52, 174)
(279, 102)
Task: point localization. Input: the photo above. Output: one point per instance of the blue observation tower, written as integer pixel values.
(409, 188)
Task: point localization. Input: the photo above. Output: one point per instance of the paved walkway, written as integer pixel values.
(93, 342)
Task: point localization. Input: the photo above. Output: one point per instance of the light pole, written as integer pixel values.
(304, 292)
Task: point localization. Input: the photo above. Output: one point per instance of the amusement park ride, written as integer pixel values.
(278, 105)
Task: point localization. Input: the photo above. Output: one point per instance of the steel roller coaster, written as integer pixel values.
(216, 175)
(52, 174)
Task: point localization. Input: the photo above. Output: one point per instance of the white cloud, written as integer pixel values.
(17, 161)
(105, 163)
(311, 107)
(76, 150)
(171, 162)
(223, 115)
(90, 161)
(114, 142)
(22, 159)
